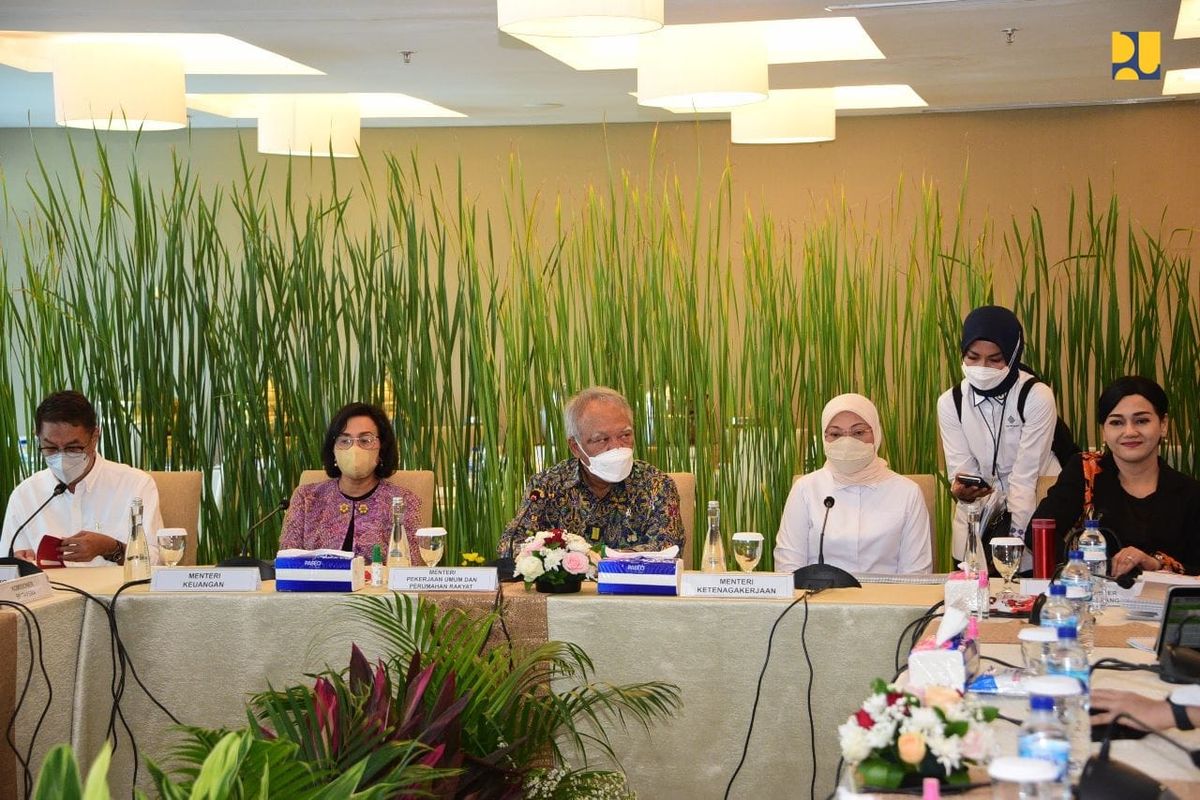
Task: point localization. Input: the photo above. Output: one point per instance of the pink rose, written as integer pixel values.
(575, 563)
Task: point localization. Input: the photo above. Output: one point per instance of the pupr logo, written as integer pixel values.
(1136, 55)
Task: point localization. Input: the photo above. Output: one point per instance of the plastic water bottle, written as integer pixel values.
(377, 565)
(1057, 612)
(1069, 659)
(1085, 621)
(1076, 574)
(1071, 708)
(1044, 737)
(713, 558)
(1095, 555)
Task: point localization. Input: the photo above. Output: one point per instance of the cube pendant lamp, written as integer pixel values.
(571, 18)
(118, 86)
(789, 116)
(702, 67)
(312, 124)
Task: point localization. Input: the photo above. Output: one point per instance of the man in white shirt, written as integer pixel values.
(92, 515)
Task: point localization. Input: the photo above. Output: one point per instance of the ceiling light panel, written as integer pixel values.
(1182, 81)
(579, 17)
(788, 41)
(200, 53)
(1188, 24)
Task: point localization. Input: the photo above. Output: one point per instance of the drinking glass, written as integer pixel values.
(432, 544)
(171, 543)
(1006, 555)
(747, 550)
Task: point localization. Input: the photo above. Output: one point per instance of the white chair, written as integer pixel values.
(417, 481)
(927, 482)
(179, 504)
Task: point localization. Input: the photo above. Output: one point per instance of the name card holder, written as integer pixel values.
(442, 579)
(27, 589)
(758, 585)
(205, 579)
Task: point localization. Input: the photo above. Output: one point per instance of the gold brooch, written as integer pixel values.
(344, 508)
(362, 508)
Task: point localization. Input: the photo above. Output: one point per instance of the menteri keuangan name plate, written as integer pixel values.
(442, 579)
(737, 584)
(205, 579)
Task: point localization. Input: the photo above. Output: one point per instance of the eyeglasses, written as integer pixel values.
(70, 450)
(860, 432)
(368, 441)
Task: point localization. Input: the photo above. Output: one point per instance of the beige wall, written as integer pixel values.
(1012, 160)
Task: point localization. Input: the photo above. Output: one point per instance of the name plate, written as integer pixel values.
(1032, 586)
(205, 579)
(27, 589)
(9, 573)
(442, 579)
(737, 584)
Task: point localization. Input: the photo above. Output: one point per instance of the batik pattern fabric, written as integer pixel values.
(319, 516)
(638, 513)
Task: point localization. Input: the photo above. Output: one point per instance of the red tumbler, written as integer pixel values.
(1044, 550)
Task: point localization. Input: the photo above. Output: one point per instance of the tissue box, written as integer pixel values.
(638, 576)
(318, 571)
(960, 592)
(938, 666)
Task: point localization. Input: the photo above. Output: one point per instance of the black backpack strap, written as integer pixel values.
(956, 392)
(1023, 395)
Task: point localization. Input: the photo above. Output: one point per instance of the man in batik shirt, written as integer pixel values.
(602, 493)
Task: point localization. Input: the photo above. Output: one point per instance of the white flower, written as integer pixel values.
(577, 543)
(529, 567)
(875, 705)
(924, 720)
(882, 733)
(853, 739)
(947, 750)
(553, 558)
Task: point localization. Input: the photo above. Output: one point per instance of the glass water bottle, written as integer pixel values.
(713, 559)
(398, 553)
(137, 551)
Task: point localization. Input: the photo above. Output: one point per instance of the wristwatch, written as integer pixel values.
(1182, 720)
(117, 554)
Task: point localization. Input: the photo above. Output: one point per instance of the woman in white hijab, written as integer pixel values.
(877, 522)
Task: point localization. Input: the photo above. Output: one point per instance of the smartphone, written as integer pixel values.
(973, 480)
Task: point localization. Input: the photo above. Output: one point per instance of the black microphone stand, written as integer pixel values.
(27, 568)
(1104, 778)
(821, 575)
(266, 569)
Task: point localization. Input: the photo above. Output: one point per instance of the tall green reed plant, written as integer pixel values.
(218, 328)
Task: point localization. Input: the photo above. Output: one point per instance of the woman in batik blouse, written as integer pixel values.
(352, 510)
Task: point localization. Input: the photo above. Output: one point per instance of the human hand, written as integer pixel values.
(26, 555)
(86, 545)
(968, 494)
(1128, 558)
(1154, 713)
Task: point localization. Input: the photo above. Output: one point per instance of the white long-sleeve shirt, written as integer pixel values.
(880, 528)
(1023, 453)
(99, 503)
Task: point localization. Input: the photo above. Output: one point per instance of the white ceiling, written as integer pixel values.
(954, 54)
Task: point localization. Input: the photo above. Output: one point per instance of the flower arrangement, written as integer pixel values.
(900, 737)
(556, 557)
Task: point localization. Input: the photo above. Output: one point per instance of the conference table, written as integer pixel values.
(203, 655)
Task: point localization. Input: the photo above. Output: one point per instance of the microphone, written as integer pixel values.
(506, 565)
(821, 575)
(266, 569)
(1103, 778)
(24, 567)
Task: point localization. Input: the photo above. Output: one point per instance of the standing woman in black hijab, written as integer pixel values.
(988, 430)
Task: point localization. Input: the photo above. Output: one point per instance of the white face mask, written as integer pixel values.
(356, 463)
(984, 378)
(848, 455)
(611, 466)
(67, 467)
